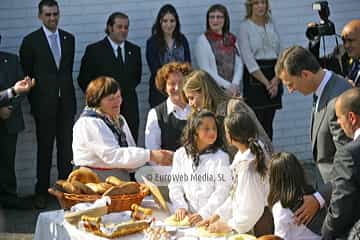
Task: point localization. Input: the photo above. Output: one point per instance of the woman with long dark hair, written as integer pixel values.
(166, 44)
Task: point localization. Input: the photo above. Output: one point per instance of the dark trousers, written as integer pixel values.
(266, 118)
(7, 169)
(48, 129)
(130, 111)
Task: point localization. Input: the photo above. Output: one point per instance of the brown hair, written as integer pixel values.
(221, 8)
(287, 180)
(111, 20)
(164, 72)
(248, 6)
(98, 89)
(296, 59)
(269, 237)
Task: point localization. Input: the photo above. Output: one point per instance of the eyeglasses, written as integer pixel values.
(216, 17)
(55, 14)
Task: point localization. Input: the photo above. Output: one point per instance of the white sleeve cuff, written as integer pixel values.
(9, 93)
(320, 199)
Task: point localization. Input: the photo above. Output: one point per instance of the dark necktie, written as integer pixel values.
(119, 51)
(355, 69)
(315, 98)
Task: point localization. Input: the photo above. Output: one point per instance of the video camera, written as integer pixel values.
(325, 27)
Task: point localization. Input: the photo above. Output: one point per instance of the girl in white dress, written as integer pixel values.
(200, 177)
(287, 188)
(248, 198)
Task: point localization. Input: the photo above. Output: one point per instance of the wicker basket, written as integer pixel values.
(121, 202)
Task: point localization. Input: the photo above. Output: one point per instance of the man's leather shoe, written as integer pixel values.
(14, 202)
(40, 201)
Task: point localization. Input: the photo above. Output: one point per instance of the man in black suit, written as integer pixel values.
(120, 59)
(343, 211)
(11, 124)
(47, 54)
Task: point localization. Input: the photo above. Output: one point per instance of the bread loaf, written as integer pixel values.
(67, 187)
(83, 188)
(125, 188)
(114, 181)
(99, 188)
(83, 175)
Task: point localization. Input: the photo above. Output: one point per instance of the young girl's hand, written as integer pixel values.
(219, 227)
(195, 218)
(180, 214)
(207, 222)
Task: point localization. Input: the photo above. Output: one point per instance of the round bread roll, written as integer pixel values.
(83, 175)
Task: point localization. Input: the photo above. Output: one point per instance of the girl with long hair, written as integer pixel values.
(202, 169)
(287, 188)
(247, 200)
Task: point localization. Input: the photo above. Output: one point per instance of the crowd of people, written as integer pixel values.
(216, 119)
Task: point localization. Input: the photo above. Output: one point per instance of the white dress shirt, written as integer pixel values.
(95, 145)
(202, 196)
(207, 62)
(115, 46)
(244, 207)
(321, 87)
(286, 228)
(357, 133)
(152, 129)
(258, 42)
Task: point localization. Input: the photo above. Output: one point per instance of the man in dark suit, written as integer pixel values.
(11, 123)
(47, 54)
(299, 70)
(118, 58)
(343, 211)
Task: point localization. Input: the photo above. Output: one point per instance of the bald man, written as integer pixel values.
(342, 213)
(351, 39)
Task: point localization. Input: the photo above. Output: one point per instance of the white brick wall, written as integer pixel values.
(86, 20)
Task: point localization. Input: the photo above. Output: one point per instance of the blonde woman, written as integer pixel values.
(260, 46)
(201, 91)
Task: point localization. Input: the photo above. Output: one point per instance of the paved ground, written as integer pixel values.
(20, 224)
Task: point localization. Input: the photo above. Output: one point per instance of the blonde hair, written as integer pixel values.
(200, 81)
(248, 6)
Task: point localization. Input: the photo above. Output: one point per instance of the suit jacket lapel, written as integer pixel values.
(319, 114)
(63, 46)
(109, 49)
(45, 42)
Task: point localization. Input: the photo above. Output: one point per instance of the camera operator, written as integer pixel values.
(316, 32)
(351, 39)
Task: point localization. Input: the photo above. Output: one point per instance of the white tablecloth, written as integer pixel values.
(51, 225)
